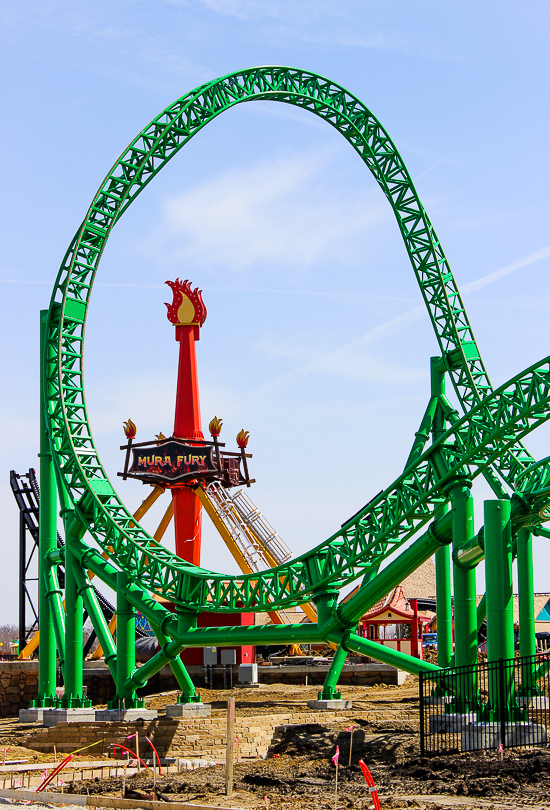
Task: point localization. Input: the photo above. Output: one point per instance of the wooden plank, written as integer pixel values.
(78, 764)
(131, 804)
(104, 801)
(50, 798)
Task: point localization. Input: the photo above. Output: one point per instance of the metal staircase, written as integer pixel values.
(256, 539)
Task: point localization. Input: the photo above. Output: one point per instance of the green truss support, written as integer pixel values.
(48, 588)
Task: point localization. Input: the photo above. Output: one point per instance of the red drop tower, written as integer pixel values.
(186, 463)
(188, 313)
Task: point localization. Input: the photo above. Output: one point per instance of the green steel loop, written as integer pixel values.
(490, 447)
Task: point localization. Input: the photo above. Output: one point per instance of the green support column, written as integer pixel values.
(443, 554)
(169, 654)
(386, 655)
(500, 612)
(188, 692)
(48, 541)
(73, 696)
(97, 618)
(329, 691)
(498, 575)
(326, 604)
(464, 579)
(465, 613)
(125, 647)
(526, 591)
(444, 606)
(186, 620)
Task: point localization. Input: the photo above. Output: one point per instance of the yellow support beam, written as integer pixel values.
(155, 493)
(164, 523)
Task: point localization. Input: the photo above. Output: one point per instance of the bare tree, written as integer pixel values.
(8, 633)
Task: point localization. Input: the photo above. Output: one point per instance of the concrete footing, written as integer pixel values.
(534, 702)
(249, 685)
(451, 723)
(32, 715)
(54, 716)
(478, 736)
(438, 700)
(124, 715)
(189, 710)
(335, 705)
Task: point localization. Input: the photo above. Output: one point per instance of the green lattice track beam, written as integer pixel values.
(485, 440)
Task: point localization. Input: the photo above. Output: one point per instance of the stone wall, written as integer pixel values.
(199, 737)
(18, 685)
(19, 680)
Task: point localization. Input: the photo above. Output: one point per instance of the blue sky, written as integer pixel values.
(316, 339)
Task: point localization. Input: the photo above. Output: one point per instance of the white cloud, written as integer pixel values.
(496, 275)
(290, 12)
(344, 360)
(275, 210)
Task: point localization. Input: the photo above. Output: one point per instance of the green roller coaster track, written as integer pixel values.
(486, 440)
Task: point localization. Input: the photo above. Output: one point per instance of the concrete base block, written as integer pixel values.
(189, 710)
(451, 723)
(191, 764)
(479, 736)
(32, 715)
(335, 705)
(537, 702)
(55, 716)
(126, 715)
(525, 734)
(438, 700)
(248, 685)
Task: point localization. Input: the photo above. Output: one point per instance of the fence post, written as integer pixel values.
(229, 746)
(502, 700)
(421, 704)
(527, 640)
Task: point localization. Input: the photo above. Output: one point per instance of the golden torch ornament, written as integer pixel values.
(242, 441)
(130, 430)
(215, 427)
(242, 438)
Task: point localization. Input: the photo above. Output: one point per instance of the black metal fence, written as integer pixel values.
(492, 705)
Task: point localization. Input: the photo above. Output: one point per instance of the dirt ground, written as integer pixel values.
(302, 776)
(281, 698)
